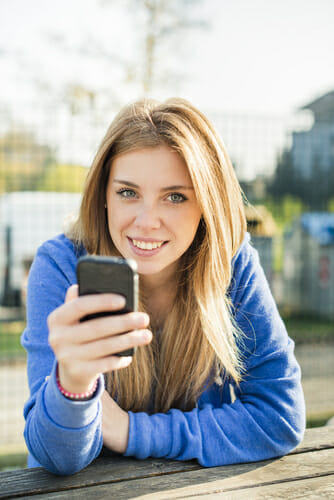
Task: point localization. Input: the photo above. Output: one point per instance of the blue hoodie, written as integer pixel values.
(265, 419)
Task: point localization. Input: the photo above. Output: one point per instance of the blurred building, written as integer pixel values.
(314, 148)
(309, 265)
(262, 228)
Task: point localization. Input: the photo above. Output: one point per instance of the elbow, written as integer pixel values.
(291, 422)
(41, 457)
(296, 424)
(63, 461)
(60, 466)
(295, 433)
(290, 434)
(63, 470)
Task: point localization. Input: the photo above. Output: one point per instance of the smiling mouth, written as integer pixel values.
(147, 245)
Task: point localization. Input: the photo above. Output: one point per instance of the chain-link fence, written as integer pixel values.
(44, 155)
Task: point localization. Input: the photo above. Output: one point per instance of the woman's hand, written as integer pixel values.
(86, 349)
(115, 425)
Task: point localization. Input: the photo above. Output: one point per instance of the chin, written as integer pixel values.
(146, 271)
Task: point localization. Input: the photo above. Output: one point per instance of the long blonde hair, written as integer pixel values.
(199, 339)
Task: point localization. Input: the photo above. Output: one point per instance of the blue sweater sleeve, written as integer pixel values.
(267, 418)
(62, 435)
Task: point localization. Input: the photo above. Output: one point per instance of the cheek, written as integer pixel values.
(188, 223)
(116, 224)
(118, 214)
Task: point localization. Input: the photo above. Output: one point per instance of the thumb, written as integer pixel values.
(72, 293)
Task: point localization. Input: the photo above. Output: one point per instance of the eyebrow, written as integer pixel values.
(168, 188)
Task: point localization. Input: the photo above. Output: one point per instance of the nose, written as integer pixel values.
(147, 217)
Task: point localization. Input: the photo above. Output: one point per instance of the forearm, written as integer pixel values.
(63, 436)
(266, 420)
(234, 433)
(115, 425)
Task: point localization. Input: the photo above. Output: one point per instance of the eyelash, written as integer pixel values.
(122, 192)
(183, 198)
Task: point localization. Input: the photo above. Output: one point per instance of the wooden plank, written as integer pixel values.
(317, 438)
(271, 473)
(314, 488)
(102, 470)
(114, 468)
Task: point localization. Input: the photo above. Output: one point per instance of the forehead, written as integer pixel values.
(161, 163)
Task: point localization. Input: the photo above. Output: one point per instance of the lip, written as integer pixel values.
(141, 238)
(146, 253)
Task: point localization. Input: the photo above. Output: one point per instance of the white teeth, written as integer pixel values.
(147, 245)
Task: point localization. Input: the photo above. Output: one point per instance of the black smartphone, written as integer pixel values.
(100, 274)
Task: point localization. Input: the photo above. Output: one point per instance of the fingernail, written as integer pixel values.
(143, 318)
(125, 361)
(147, 335)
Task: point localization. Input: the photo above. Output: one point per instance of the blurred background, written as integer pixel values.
(261, 70)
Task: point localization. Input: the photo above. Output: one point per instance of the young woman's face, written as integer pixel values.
(153, 213)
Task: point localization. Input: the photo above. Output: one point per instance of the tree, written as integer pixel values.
(319, 188)
(158, 33)
(284, 178)
(63, 178)
(166, 23)
(315, 191)
(23, 161)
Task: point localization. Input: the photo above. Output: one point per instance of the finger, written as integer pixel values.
(110, 363)
(72, 293)
(73, 310)
(114, 363)
(108, 326)
(90, 369)
(112, 345)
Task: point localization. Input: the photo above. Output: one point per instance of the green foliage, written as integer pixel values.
(22, 161)
(26, 165)
(10, 340)
(12, 458)
(331, 205)
(308, 329)
(63, 178)
(284, 210)
(318, 419)
(18, 178)
(54, 177)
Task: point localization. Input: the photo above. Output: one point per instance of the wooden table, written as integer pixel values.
(307, 472)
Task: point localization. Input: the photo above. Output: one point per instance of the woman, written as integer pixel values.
(214, 377)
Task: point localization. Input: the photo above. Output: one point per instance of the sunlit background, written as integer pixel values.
(262, 71)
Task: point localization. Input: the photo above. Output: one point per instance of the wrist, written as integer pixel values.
(83, 394)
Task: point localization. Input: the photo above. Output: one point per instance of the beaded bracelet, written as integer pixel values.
(77, 396)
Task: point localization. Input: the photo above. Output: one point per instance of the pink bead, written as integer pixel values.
(75, 396)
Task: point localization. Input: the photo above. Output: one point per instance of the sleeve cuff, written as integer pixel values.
(68, 413)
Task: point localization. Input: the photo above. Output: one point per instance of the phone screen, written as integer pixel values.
(100, 274)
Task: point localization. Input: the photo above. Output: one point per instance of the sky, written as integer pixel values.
(268, 56)
(258, 58)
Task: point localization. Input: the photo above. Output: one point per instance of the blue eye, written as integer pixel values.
(176, 198)
(127, 193)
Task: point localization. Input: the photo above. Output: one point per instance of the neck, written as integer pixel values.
(160, 292)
